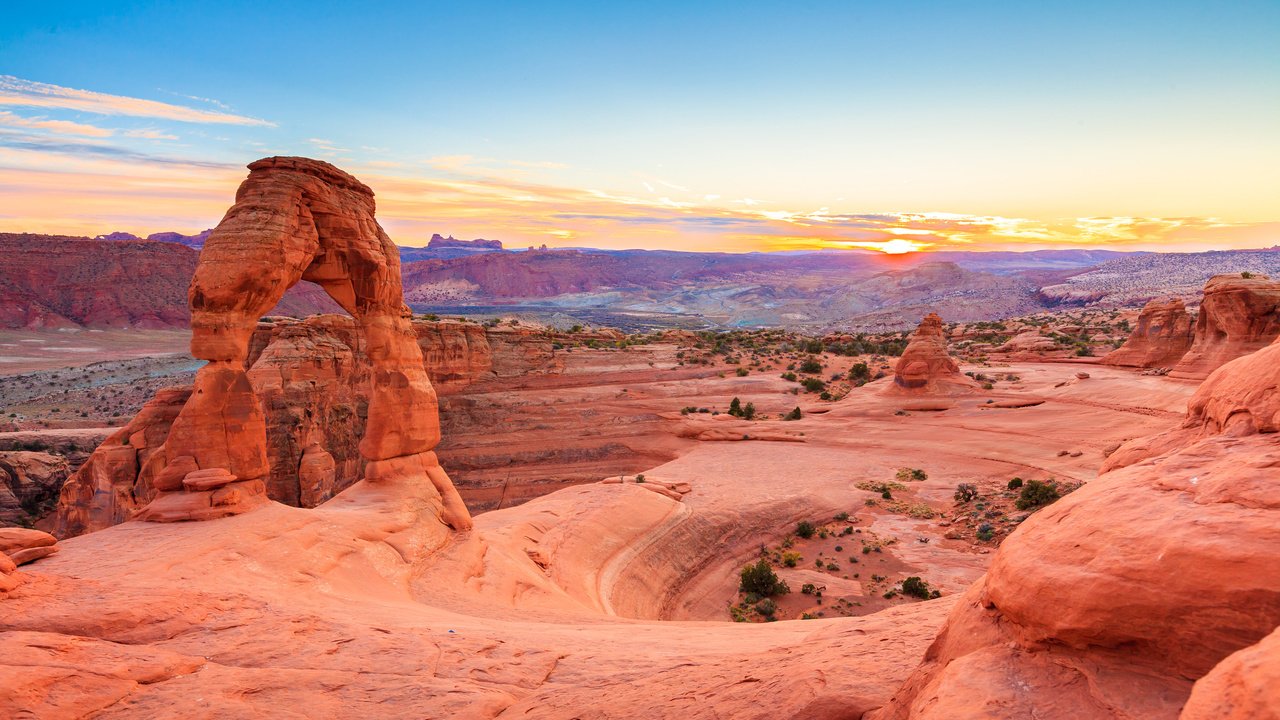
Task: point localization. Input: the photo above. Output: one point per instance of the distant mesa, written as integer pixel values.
(1240, 314)
(194, 241)
(117, 237)
(1162, 335)
(439, 243)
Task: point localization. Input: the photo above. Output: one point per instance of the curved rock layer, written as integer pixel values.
(294, 219)
(1162, 335)
(1112, 601)
(925, 367)
(1239, 315)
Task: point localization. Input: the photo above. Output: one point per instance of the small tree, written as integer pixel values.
(966, 492)
(761, 580)
(1015, 483)
(749, 412)
(735, 407)
(805, 529)
(793, 415)
(859, 374)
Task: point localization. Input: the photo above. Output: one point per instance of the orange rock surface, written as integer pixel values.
(294, 219)
(1161, 336)
(1237, 316)
(926, 367)
(1113, 600)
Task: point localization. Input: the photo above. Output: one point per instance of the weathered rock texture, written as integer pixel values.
(28, 480)
(311, 380)
(295, 219)
(926, 367)
(1160, 338)
(1112, 601)
(1238, 316)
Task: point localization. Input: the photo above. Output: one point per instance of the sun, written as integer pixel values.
(898, 246)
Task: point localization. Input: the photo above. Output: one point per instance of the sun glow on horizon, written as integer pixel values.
(898, 246)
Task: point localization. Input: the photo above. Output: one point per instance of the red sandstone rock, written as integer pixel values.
(1111, 601)
(1160, 338)
(1245, 686)
(1237, 316)
(14, 539)
(294, 219)
(22, 557)
(925, 366)
(26, 478)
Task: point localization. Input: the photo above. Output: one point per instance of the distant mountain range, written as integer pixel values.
(121, 280)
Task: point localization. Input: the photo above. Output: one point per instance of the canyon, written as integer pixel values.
(370, 512)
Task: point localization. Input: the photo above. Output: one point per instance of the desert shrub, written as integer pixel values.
(1037, 494)
(915, 587)
(1246, 274)
(811, 366)
(789, 376)
(966, 492)
(911, 475)
(767, 608)
(859, 374)
(986, 532)
(813, 384)
(793, 415)
(1015, 483)
(735, 407)
(791, 559)
(640, 478)
(761, 580)
(749, 411)
(743, 372)
(842, 516)
(808, 588)
(805, 529)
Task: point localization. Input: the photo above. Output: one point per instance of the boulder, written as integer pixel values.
(1161, 336)
(1238, 315)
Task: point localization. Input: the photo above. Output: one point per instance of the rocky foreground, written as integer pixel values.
(1139, 580)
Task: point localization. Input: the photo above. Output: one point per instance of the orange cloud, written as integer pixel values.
(58, 127)
(73, 192)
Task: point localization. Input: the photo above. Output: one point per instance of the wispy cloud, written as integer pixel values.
(28, 93)
(149, 134)
(59, 127)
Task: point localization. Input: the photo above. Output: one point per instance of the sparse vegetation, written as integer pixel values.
(1036, 494)
(761, 580)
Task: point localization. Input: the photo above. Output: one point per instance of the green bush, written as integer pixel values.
(1015, 483)
(808, 588)
(966, 492)
(860, 374)
(1037, 494)
(805, 529)
(811, 366)
(915, 587)
(793, 415)
(767, 608)
(986, 532)
(813, 384)
(761, 580)
(743, 372)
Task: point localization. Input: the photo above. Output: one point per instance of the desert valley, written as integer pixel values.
(640, 361)
(1065, 513)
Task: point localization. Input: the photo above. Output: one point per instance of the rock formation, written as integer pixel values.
(1160, 338)
(28, 480)
(295, 219)
(19, 546)
(311, 379)
(925, 366)
(1112, 601)
(1238, 315)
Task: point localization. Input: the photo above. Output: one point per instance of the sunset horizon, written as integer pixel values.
(1159, 137)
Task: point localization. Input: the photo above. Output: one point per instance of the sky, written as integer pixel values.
(727, 126)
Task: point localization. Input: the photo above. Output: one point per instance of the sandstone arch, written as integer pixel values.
(295, 219)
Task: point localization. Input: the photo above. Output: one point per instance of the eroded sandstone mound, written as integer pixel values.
(1239, 315)
(1160, 338)
(926, 367)
(1112, 601)
(295, 219)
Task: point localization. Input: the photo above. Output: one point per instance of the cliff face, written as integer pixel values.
(57, 281)
(1238, 316)
(311, 378)
(1160, 338)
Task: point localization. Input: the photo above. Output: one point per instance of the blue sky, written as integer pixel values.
(1038, 114)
